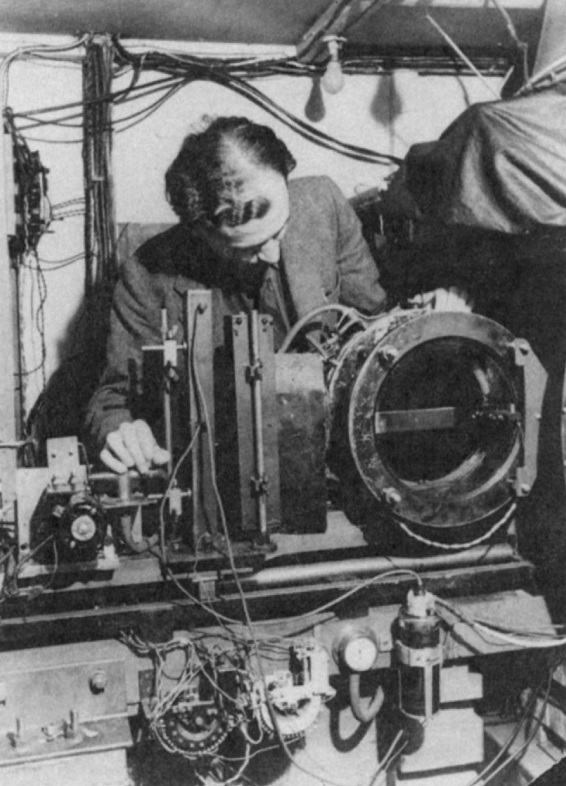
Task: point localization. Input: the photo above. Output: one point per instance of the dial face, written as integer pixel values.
(83, 528)
(360, 653)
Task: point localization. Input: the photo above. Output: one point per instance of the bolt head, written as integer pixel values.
(98, 681)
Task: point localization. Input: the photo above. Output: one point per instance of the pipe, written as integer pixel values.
(350, 568)
(364, 714)
(127, 527)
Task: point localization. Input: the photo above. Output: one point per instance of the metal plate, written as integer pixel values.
(436, 475)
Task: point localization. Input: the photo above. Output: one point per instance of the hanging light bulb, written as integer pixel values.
(333, 79)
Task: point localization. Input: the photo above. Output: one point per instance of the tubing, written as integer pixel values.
(364, 714)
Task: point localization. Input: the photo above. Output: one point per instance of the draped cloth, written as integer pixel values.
(500, 166)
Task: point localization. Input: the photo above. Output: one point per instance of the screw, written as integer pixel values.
(387, 355)
(98, 681)
(391, 497)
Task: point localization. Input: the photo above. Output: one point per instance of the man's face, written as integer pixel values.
(268, 251)
(260, 236)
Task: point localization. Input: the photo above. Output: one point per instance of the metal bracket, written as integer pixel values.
(254, 372)
(534, 378)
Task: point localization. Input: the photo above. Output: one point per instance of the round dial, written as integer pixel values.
(360, 652)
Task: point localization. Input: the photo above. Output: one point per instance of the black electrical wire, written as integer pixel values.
(231, 75)
(143, 114)
(134, 93)
(201, 70)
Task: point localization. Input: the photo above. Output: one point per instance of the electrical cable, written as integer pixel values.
(11, 590)
(233, 567)
(30, 50)
(148, 111)
(202, 70)
(459, 546)
(517, 638)
(241, 592)
(171, 84)
(359, 586)
(149, 88)
(389, 755)
(485, 776)
(172, 480)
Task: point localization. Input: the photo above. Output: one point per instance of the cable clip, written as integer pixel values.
(259, 485)
(253, 372)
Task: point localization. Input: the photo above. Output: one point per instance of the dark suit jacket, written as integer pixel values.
(325, 260)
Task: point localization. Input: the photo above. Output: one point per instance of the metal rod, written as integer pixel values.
(257, 405)
(450, 41)
(350, 568)
(167, 394)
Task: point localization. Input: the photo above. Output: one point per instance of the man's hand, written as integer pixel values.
(132, 446)
(452, 299)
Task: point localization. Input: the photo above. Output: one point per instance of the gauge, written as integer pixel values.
(358, 649)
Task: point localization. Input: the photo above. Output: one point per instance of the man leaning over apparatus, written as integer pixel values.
(255, 238)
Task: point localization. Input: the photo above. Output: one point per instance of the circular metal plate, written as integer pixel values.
(434, 419)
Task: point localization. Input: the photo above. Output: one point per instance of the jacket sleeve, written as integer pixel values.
(135, 321)
(357, 270)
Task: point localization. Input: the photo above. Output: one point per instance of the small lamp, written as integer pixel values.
(333, 79)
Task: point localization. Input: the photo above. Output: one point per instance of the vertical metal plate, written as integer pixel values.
(301, 396)
(246, 432)
(200, 383)
(270, 422)
(244, 419)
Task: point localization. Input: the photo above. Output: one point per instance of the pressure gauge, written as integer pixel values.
(357, 649)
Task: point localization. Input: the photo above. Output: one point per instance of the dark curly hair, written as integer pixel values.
(203, 175)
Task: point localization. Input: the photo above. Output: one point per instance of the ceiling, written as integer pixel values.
(377, 27)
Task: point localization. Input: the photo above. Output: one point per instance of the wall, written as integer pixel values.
(384, 113)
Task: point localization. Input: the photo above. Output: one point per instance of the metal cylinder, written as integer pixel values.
(419, 656)
(349, 568)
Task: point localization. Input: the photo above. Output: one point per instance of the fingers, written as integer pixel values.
(114, 464)
(423, 299)
(160, 456)
(441, 299)
(132, 446)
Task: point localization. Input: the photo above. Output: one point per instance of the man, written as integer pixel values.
(254, 238)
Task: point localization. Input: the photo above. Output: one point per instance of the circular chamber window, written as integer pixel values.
(435, 419)
(446, 413)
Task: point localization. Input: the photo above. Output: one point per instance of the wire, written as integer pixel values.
(241, 592)
(10, 586)
(485, 776)
(30, 50)
(362, 585)
(200, 69)
(148, 88)
(517, 638)
(148, 111)
(172, 480)
(450, 41)
(459, 546)
(54, 264)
